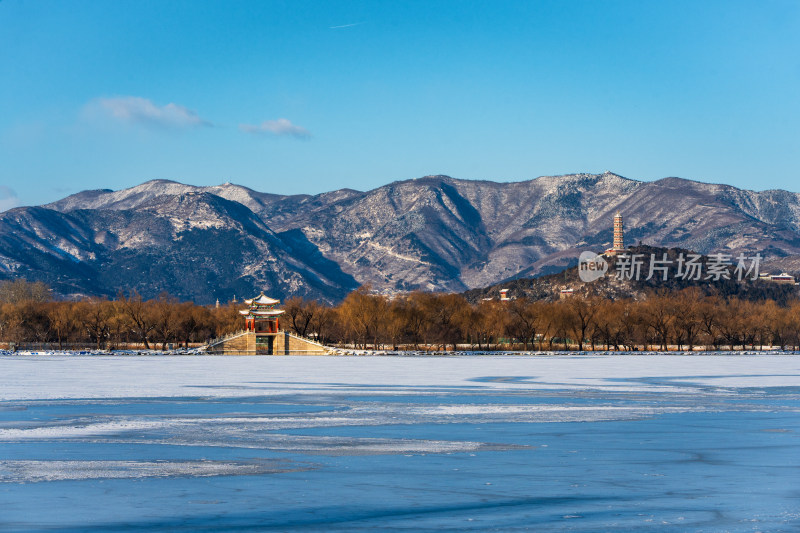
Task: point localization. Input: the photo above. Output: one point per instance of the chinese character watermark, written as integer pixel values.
(689, 267)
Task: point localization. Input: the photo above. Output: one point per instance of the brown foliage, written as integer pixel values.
(663, 320)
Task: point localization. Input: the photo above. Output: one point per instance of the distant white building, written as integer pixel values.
(783, 277)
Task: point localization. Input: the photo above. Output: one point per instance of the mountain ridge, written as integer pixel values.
(431, 233)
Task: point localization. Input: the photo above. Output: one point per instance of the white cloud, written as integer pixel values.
(8, 198)
(345, 26)
(137, 110)
(281, 126)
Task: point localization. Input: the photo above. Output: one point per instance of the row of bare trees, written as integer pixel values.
(681, 320)
(664, 320)
(101, 323)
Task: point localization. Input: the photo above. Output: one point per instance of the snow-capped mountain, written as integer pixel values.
(431, 233)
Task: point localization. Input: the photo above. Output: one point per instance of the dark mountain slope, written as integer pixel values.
(193, 245)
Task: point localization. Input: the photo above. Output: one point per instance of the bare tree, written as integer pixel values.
(141, 315)
(62, 320)
(657, 317)
(686, 317)
(167, 318)
(732, 323)
(227, 319)
(21, 290)
(709, 312)
(363, 315)
(94, 315)
(523, 321)
(414, 317)
(194, 321)
(579, 313)
(441, 312)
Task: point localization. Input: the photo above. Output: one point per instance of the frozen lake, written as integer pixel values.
(490, 443)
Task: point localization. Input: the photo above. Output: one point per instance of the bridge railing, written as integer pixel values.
(224, 338)
(306, 339)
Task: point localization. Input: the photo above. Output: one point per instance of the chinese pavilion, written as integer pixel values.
(261, 318)
(262, 335)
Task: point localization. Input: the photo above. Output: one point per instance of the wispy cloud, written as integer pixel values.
(281, 127)
(8, 198)
(141, 111)
(345, 26)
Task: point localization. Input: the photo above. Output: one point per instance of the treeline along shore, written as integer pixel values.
(686, 319)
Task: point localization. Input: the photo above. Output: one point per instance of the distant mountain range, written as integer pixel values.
(433, 233)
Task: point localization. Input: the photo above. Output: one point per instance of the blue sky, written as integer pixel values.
(305, 97)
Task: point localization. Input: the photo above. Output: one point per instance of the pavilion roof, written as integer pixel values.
(261, 300)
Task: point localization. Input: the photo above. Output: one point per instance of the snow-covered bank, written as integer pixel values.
(61, 376)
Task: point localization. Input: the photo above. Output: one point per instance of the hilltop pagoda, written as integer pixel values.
(619, 237)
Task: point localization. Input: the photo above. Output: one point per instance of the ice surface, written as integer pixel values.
(37, 471)
(510, 443)
(44, 377)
